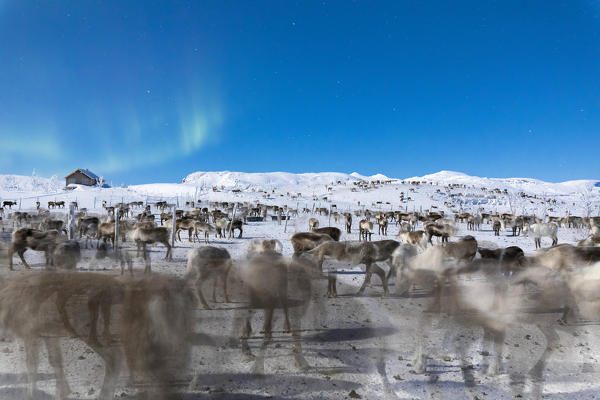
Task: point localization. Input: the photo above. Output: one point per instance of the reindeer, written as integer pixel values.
(313, 224)
(415, 238)
(65, 255)
(367, 253)
(383, 225)
(119, 255)
(287, 281)
(539, 230)
(443, 230)
(206, 262)
(52, 224)
(106, 231)
(304, 241)
(492, 305)
(473, 222)
(203, 227)
(334, 232)
(185, 224)
(258, 246)
(365, 230)
(593, 240)
(88, 227)
(155, 341)
(566, 256)
(25, 238)
(143, 236)
(348, 222)
(496, 226)
(233, 225)
(9, 204)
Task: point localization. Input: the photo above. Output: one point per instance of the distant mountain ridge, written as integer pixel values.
(528, 185)
(281, 180)
(245, 180)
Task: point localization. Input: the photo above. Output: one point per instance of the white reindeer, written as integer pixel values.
(539, 230)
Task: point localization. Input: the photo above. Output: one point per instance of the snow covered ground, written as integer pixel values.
(353, 343)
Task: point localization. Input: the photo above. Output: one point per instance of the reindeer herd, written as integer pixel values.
(148, 319)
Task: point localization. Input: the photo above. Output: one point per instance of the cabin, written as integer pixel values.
(82, 177)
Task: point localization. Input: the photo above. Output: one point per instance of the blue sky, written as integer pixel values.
(151, 93)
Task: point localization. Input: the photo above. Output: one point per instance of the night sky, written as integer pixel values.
(151, 91)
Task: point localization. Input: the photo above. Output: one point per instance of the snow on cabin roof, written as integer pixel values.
(86, 172)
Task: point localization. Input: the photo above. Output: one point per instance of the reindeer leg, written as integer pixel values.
(246, 334)
(214, 296)
(224, 277)
(381, 273)
(199, 292)
(169, 256)
(148, 268)
(32, 360)
(21, 252)
(297, 346)
(55, 360)
(259, 364)
(331, 284)
(368, 274)
(537, 372)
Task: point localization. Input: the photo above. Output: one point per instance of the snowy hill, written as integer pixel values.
(272, 180)
(323, 188)
(21, 183)
(527, 185)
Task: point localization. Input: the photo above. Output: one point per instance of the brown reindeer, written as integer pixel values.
(313, 224)
(332, 231)
(33, 239)
(383, 225)
(287, 281)
(304, 241)
(367, 253)
(442, 230)
(208, 262)
(348, 222)
(154, 339)
(203, 227)
(143, 236)
(496, 226)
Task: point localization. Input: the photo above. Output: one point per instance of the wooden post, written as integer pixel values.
(329, 223)
(174, 226)
(20, 199)
(287, 217)
(71, 221)
(116, 246)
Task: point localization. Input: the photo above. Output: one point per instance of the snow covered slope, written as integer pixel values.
(328, 188)
(274, 180)
(527, 185)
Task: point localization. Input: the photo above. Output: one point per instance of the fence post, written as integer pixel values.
(329, 223)
(20, 199)
(71, 221)
(116, 240)
(173, 226)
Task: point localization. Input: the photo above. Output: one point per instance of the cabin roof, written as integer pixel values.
(85, 172)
